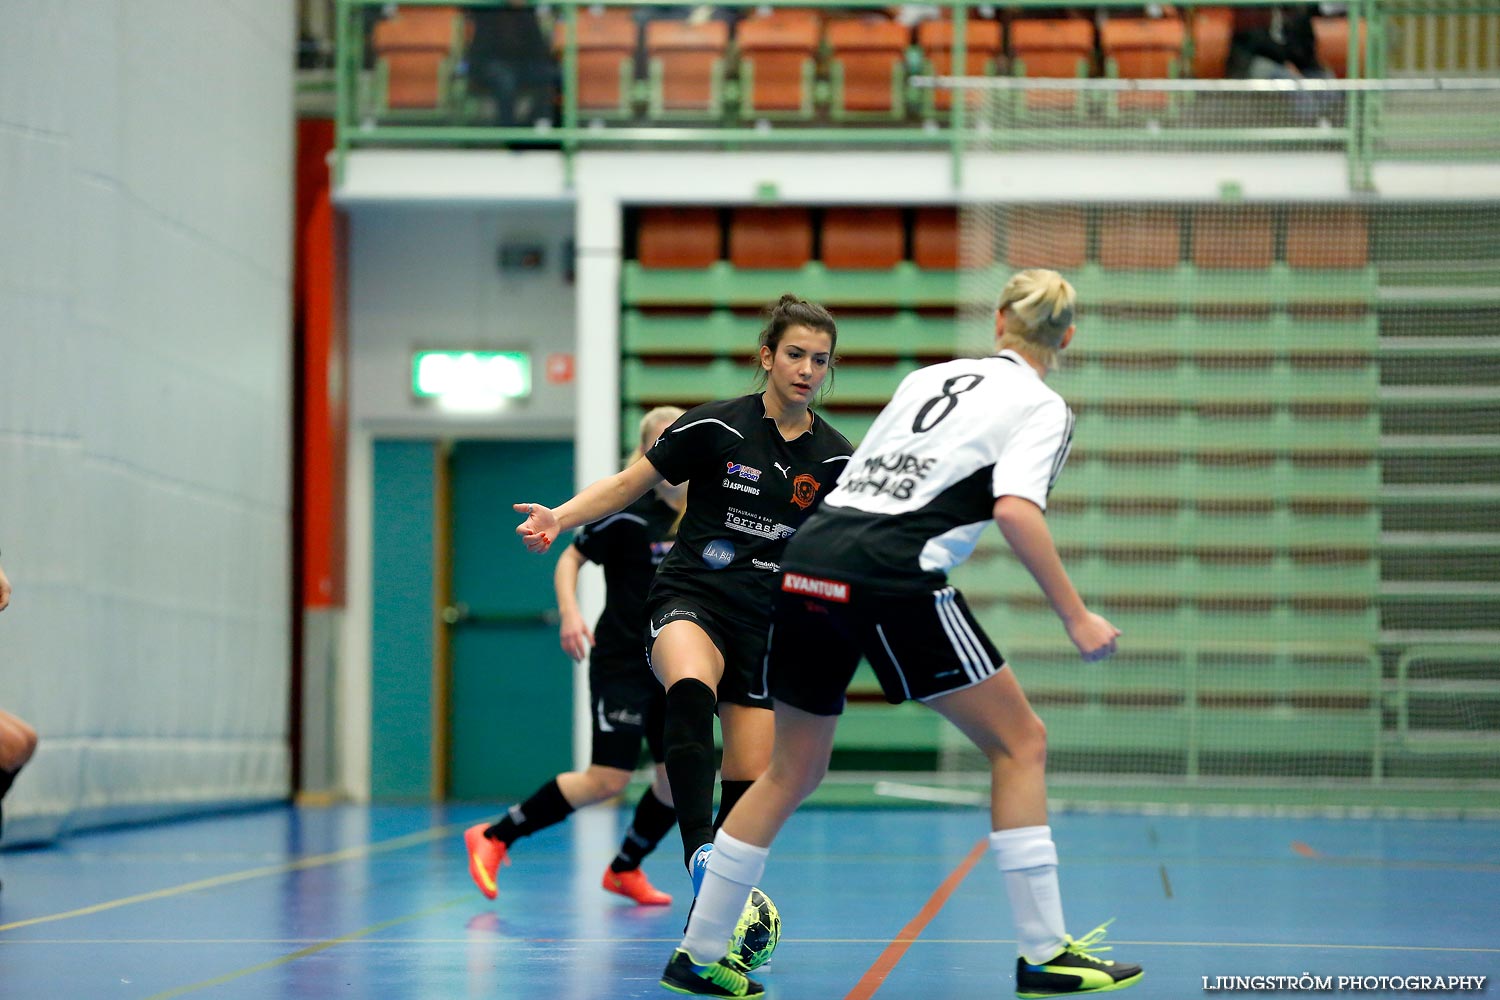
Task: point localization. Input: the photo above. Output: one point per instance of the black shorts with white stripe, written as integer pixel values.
(919, 645)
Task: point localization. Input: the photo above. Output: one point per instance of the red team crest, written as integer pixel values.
(804, 490)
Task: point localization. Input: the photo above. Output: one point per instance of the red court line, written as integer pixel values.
(874, 977)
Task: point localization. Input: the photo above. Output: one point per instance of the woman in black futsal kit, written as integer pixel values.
(627, 703)
(758, 466)
(960, 444)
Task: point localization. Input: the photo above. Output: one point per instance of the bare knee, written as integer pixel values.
(607, 782)
(584, 788)
(1024, 745)
(797, 780)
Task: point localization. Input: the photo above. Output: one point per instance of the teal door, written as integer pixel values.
(511, 685)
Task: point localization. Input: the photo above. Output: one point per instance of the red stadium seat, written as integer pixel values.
(770, 238)
(1332, 38)
(868, 63)
(606, 59)
(678, 237)
(1144, 239)
(1233, 239)
(863, 238)
(938, 244)
(1213, 27)
(981, 50)
(778, 63)
(1052, 48)
(1142, 49)
(1046, 236)
(1327, 238)
(687, 66)
(415, 51)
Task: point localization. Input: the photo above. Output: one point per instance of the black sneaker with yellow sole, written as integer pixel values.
(717, 979)
(1075, 970)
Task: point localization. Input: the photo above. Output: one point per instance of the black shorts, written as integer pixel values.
(627, 703)
(743, 645)
(920, 645)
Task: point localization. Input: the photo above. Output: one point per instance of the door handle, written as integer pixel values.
(461, 614)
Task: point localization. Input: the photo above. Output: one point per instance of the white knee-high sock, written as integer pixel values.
(733, 867)
(1028, 859)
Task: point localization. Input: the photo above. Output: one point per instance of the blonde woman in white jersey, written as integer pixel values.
(960, 444)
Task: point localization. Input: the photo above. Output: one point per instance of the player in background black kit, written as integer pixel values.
(757, 467)
(17, 738)
(627, 703)
(960, 444)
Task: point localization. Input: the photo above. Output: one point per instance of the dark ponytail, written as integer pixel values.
(789, 311)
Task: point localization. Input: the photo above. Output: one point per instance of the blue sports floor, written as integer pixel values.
(365, 903)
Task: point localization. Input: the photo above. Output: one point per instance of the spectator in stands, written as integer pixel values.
(511, 60)
(17, 739)
(1278, 44)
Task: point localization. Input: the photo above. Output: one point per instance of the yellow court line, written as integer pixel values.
(304, 952)
(315, 861)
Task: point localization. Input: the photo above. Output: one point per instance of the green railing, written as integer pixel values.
(951, 129)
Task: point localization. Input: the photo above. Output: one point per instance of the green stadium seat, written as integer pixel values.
(1280, 479)
(1182, 431)
(1282, 382)
(723, 332)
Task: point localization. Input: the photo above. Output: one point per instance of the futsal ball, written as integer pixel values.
(756, 934)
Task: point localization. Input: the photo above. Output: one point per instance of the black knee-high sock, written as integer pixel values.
(688, 740)
(730, 792)
(545, 807)
(653, 818)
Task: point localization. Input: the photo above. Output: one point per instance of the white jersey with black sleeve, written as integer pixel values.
(922, 485)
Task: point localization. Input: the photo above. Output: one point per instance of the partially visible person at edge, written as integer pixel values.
(628, 704)
(961, 443)
(17, 738)
(758, 466)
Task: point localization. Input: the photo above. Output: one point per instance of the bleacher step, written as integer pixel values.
(1487, 444)
(1395, 348)
(1467, 541)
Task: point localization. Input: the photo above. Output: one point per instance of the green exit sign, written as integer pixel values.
(471, 375)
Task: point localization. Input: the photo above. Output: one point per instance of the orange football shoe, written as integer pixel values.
(485, 858)
(634, 885)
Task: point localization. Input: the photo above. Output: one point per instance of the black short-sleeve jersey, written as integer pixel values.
(918, 493)
(629, 545)
(750, 490)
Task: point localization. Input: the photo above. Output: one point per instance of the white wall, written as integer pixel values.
(145, 202)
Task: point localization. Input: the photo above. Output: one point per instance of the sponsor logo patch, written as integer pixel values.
(804, 490)
(765, 564)
(655, 629)
(816, 586)
(718, 553)
(743, 471)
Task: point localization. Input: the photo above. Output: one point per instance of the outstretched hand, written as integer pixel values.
(1094, 636)
(539, 528)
